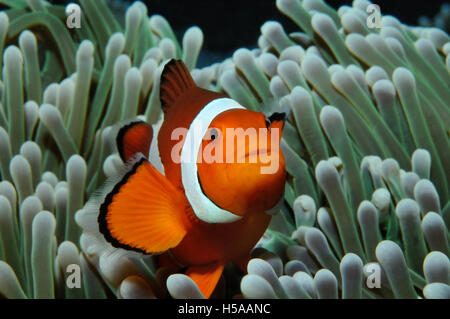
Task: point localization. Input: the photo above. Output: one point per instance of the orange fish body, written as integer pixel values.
(214, 201)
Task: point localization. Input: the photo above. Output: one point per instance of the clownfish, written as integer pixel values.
(196, 213)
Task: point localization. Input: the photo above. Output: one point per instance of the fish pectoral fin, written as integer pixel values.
(144, 211)
(132, 138)
(206, 277)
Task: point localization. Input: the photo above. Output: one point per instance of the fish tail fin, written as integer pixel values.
(175, 79)
(134, 137)
(206, 277)
(144, 211)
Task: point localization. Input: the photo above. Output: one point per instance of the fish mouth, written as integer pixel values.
(255, 153)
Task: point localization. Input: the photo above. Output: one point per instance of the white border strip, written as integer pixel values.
(202, 206)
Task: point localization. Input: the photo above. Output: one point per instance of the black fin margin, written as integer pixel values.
(120, 136)
(103, 211)
(277, 117)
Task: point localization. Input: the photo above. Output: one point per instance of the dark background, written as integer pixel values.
(231, 24)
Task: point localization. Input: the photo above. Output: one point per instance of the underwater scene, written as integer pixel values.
(308, 163)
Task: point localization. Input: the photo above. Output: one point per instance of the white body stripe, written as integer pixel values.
(202, 206)
(153, 154)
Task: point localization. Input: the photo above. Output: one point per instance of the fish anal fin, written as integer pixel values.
(206, 277)
(144, 211)
(175, 80)
(135, 137)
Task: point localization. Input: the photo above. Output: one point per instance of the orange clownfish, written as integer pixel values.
(212, 198)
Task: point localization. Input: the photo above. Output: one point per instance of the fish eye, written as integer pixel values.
(213, 134)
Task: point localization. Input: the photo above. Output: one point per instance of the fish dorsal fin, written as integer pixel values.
(175, 80)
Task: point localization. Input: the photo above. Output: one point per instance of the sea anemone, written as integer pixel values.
(365, 146)
(55, 146)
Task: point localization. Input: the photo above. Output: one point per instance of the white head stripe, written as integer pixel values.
(202, 206)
